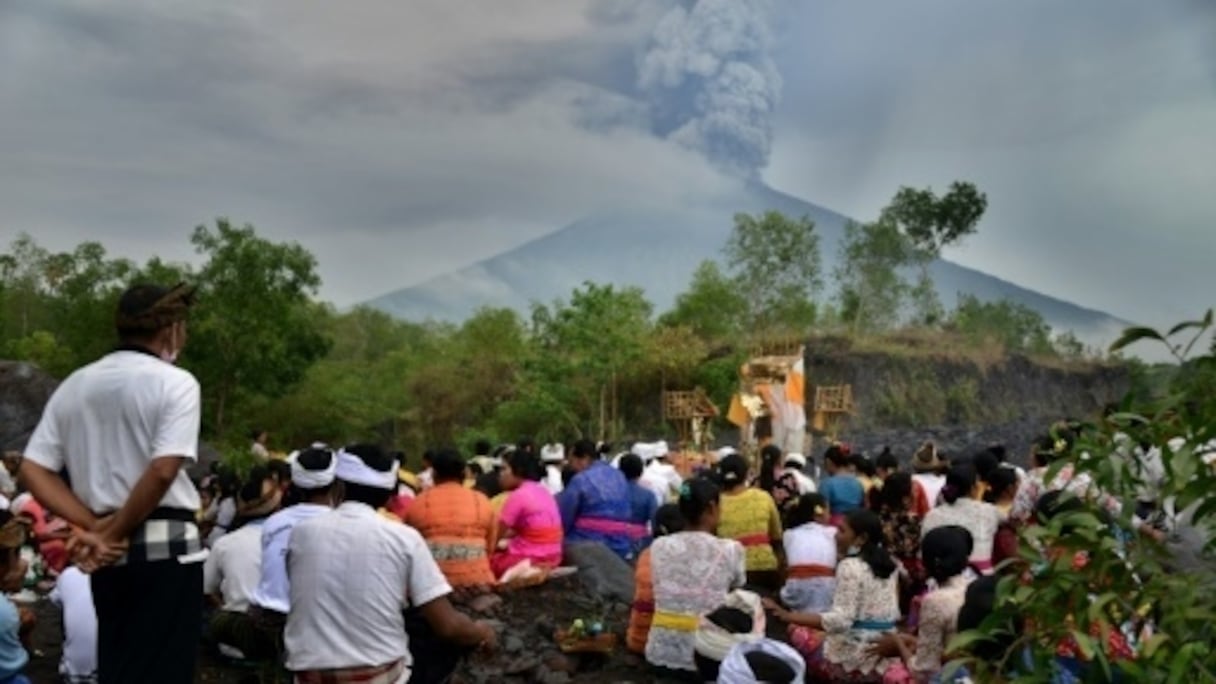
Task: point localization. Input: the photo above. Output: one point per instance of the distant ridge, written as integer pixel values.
(658, 251)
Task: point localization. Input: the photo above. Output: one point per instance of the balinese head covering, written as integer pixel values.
(796, 458)
(713, 641)
(660, 449)
(13, 534)
(737, 670)
(312, 479)
(725, 451)
(926, 459)
(552, 453)
(149, 308)
(352, 469)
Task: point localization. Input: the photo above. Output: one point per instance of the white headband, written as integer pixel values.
(352, 469)
(735, 667)
(552, 453)
(311, 479)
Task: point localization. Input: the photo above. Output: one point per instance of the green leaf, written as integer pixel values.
(1132, 335)
(1085, 644)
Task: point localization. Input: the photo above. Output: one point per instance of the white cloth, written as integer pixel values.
(259, 451)
(73, 593)
(352, 469)
(273, 590)
(552, 453)
(979, 518)
(352, 562)
(735, 669)
(932, 483)
(805, 484)
(553, 479)
(662, 479)
(8, 487)
(225, 515)
(312, 479)
(110, 419)
(234, 566)
(810, 544)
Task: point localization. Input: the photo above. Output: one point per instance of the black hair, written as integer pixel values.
(375, 458)
(867, 524)
(250, 491)
(984, 462)
(567, 475)
(525, 465)
(279, 470)
(525, 444)
(448, 466)
(733, 621)
(482, 448)
(999, 480)
(134, 305)
(733, 470)
(804, 511)
(894, 493)
(603, 448)
(8, 556)
(838, 456)
(886, 460)
(668, 520)
(770, 455)
(960, 482)
(631, 466)
(979, 603)
(864, 466)
(696, 496)
(945, 551)
(428, 457)
(475, 469)
(584, 448)
(999, 452)
(769, 668)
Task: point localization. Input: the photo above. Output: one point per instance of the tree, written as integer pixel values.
(588, 343)
(868, 272)
(1015, 326)
(256, 330)
(931, 223)
(774, 263)
(712, 306)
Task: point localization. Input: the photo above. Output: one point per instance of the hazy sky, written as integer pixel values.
(401, 140)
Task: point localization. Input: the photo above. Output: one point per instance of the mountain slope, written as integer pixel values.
(658, 250)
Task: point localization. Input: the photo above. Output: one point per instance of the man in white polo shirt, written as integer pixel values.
(123, 428)
(352, 573)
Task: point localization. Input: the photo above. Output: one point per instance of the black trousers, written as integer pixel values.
(149, 622)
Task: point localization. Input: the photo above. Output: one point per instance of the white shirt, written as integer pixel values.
(810, 544)
(805, 484)
(553, 479)
(352, 574)
(74, 593)
(662, 479)
(273, 590)
(234, 567)
(110, 419)
(933, 484)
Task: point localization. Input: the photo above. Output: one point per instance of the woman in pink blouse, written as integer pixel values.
(529, 521)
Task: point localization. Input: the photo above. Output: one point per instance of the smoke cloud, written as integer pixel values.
(711, 83)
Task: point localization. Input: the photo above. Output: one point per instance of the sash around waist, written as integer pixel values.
(810, 571)
(542, 535)
(874, 625)
(606, 526)
(679, 622)
(750, 540)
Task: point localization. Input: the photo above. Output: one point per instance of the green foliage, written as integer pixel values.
(872, 288)
(1017, 327)
(1158, 592)
(712, 307)
(931, 222)
(774, 264)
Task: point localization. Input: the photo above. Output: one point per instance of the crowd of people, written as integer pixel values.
(338, 564)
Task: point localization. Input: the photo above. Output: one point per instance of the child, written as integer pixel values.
(13, 655)
(810, 546)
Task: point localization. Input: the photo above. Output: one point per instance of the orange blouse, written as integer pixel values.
(460, 528)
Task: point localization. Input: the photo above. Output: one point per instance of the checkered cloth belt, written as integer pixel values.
(379, 674)
(165, 535)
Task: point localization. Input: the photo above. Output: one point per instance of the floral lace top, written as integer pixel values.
(902, 533)
(691, 573)
(938, 624)
(860, 598)
(1067, 479)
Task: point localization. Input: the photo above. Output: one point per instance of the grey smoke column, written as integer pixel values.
(711, 83)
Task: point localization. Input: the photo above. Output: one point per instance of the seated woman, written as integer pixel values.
(529, 521)
(458, 524)
(959, 507)
(810, 547)
(666, 521)
(945, 552)
(750, 517)
(843, 490)
(13, 656)
(837, 643)
(595, 504)
(901, 532)
(693, 571)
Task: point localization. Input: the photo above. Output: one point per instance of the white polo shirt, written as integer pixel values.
(352, 573)
(110, 419)
(234, 567)
(274, 590)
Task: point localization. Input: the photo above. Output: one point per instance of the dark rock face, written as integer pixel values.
(24, 390)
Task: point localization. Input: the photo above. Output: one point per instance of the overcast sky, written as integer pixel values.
(401, 140)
